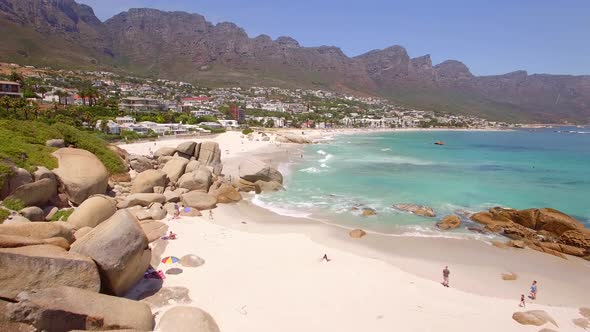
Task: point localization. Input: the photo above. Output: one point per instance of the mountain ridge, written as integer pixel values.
(184, 46)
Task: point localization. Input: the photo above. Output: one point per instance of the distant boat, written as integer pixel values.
(439, 143)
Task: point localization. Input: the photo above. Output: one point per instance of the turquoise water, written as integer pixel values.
(471, 172)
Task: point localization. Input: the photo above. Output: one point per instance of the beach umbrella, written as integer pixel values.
(170, 260)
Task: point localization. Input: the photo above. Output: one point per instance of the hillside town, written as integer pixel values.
(165, 107)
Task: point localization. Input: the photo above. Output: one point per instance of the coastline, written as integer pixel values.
(275, 268)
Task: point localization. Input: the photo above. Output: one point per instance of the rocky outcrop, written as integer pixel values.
(533, 317)
(80, 173)
(199, 180)
(199, 200)
(43, 266)
(120, 249)
(254, 170)
(153, 229)
(247, 186)
(78, 309)
(164, 152)
(145, 181)
(224, 193)
(187, 148)
(269, 186)
(37, 193)
(293, 138)
(420, 210)
(576, 238)
(38, 230)
(187, 319)
(449, 222)
(174, 168)
(93, 211)
(141, 199)
(15, 241)
(209, 154)
(140, 163)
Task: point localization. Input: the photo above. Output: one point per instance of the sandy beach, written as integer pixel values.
(264, 272)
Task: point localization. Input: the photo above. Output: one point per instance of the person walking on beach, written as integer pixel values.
(211, 214)
(446, 274)
(176, 211)
(533, 294)
(522, 303)
(326, 258)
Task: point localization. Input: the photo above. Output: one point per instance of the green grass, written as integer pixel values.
(3, 215)
(247, 131)
(64, 214)
(22, 143)
(13, 204)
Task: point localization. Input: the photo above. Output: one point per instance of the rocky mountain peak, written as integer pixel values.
(287, 42)
(452, 70)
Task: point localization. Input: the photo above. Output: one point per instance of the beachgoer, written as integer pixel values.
(446, 273)
(176, 211)
(522, 303)
(326, 258)
(533, 294)
(211, 214)
(171, 236)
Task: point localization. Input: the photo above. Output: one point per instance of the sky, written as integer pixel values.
(489, 36)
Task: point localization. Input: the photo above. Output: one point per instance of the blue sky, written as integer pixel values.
(490, 37)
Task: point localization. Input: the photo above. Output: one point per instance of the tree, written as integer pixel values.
(16, 77)
(42, 90)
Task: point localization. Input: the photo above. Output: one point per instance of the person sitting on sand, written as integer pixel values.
(171, 236)
(326, 258)
(446, 273)
(533, 294)
(522, 303)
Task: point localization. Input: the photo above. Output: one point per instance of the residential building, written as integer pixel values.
(124, 120)
(237, 113)
(10, 89)
(136, 104)
(229, 123)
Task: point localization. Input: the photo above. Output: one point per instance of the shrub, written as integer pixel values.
(3, 215)
(63, 214)
(13, 204)
(247, 131)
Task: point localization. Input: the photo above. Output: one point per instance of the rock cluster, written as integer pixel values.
(545, 230)
(420, 210)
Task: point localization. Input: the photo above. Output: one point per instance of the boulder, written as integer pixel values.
(509, 276)
(187, 148)
(563, 248)
(80, 173)
(145, 181)
(187, 319)
(38, 230)
(153, 229)
(367, 212)
(50, 211)
(576, 238)
(93, 211)
(175, 168)
(182, 155)
(122, 153)
(163, 160)
(55, 143)
(224, 193)
(157, 211)
(191, 260)
(518, 244)
(420, 210)
(247, 186)
(33, 213)
(140, 164)
(15, 241)
(199, 200)
(19, 177)
(190, 212)
(585, 312)
(209, 154)
(533, 317)
(43, 266)
(266, 186)
(582, 323)
(192, 166)
(253, 170)
(36, 193)
(172, 196)
(293, 138)
(199, 180)
(15, 219)
(120, 249)
(164, 152)
(449, 222)
(43, 173)
(357, 233)
(81, 232)
(141, 199)
(78, 309)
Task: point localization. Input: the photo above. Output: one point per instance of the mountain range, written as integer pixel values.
(183, 46)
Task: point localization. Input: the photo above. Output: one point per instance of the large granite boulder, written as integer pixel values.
(55, 143)
(153, 229)
(93, 211)
(549, 220)
(191, 260)
(68, 308)
(33, 213)
(157, 211)
(267, 186)
(36, 193)
(43, 173)
(145, 181)
(141, 199)
(187, 148)
(209, 154)
(449, 222)
(175, 168)
(533, 317)
(120, 249)
(38, 230)
(187, 319)
(293, 138)
(140, 163)
(357, 233)
(199, 200)
(576, 238)
(420, 210)
(224, 193)
(16, 241)
(164, 152)
(247, 186)
(80, 173)
(254, 170)
(199, 180)
(192, 166)
(19, 177)
(43, 266)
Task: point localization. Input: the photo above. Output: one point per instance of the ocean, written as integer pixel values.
(472, 171)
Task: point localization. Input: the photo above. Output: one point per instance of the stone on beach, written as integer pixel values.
(153, 229)
(187, 319)
(247, 186)
(164, 152)
(38, 230)
(43, 266)
(199, 200)
(157, 211)
(16, 241)
(420, 210)
(224, 193)
(140, 164)
(449, 222)
(368, 212)
(36, 193)
(174, 168)
(119, 247)
(293, 138)
(509, 276)
(209, 153)
(267, 186)
(143, 199)
(93, 211)
(254, 170)
(581, 322)
(80, 173)
(191, 260)
(357, 233)
(145, 181)
(78, 309)
(187, 148)
(199, 179)
(533, 317)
